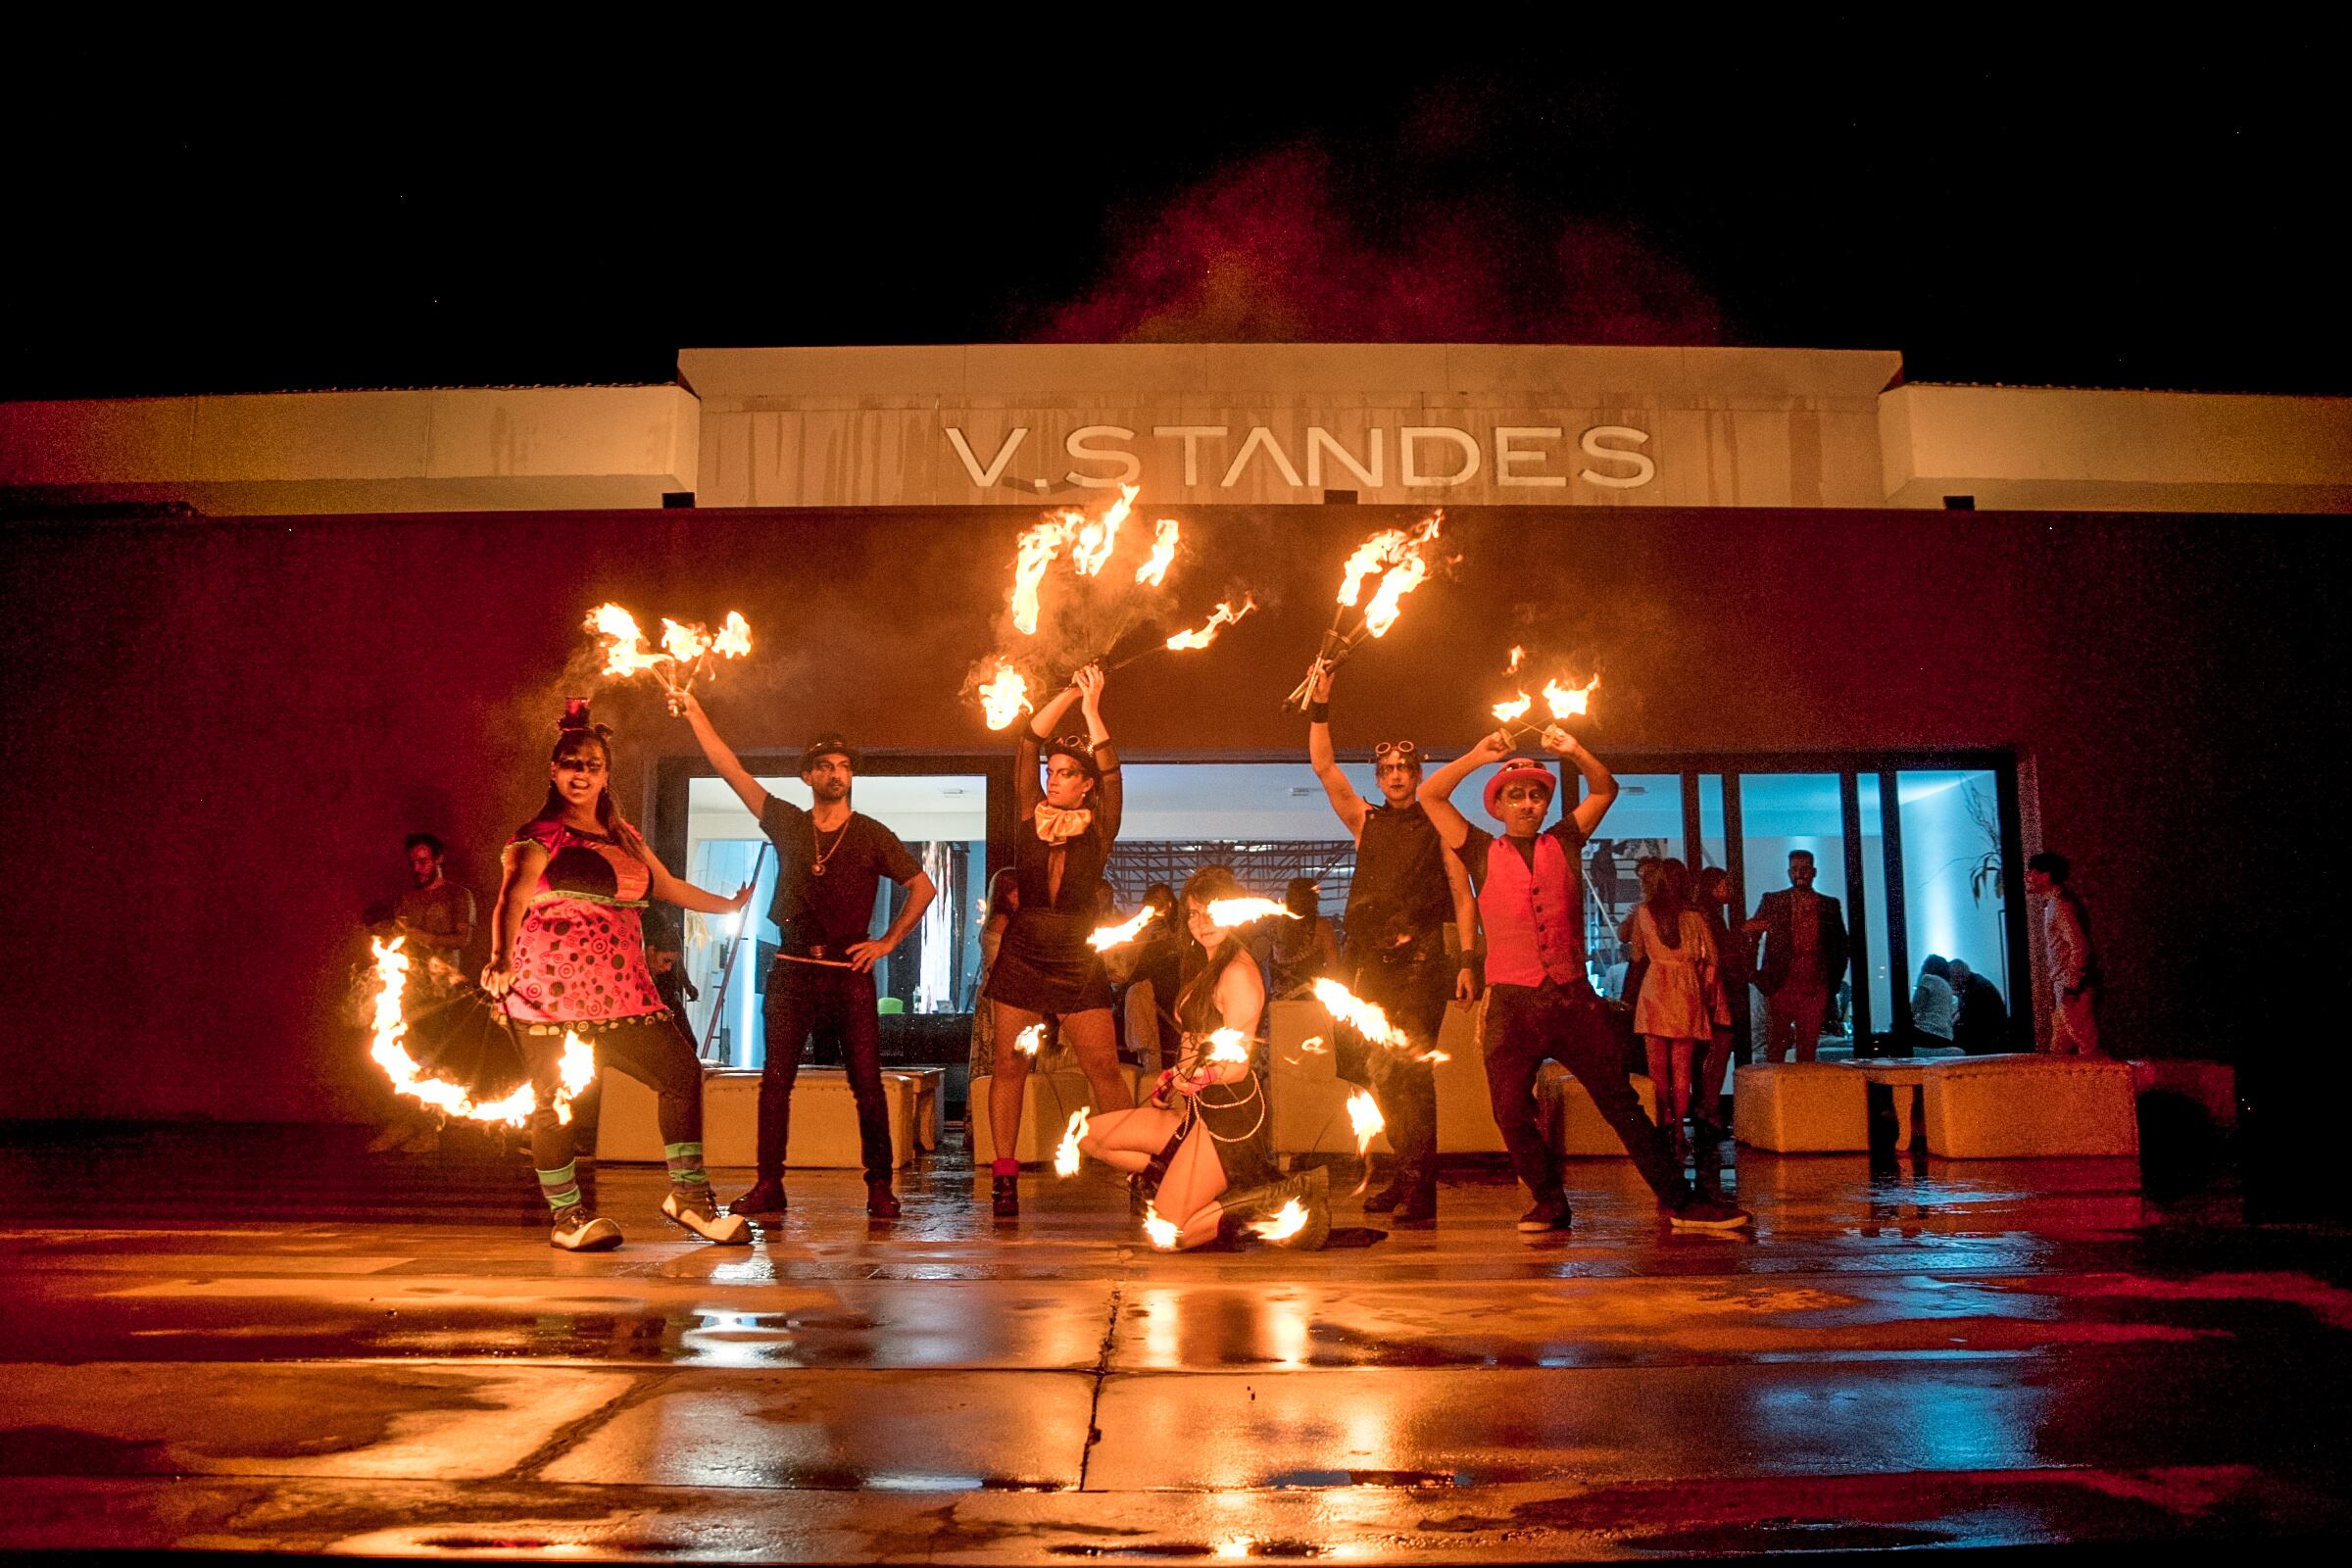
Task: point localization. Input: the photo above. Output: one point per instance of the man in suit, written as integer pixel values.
(1802, 962)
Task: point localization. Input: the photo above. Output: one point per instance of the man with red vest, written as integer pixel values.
(1540, 1002)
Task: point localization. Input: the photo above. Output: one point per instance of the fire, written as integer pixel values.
(1164, 553)
(1162, 1233)
(1065, 1158)
(1365, 1117)
(1403, 579)
(1098, 538)
(1030, 1040)
(1514, 709)
(1369, 557)
(1287, 1222)
(1033, 554)
(1228, 1045)
(1226, 913)
(1518, 657)
(574, 1072)
(1569, 700)
(684, 644)
(734, 639)
(1108, 937)
(1313, 1046)
(1004, 696)
(685, 648)
(625, 653)
(1225, 615)
(1361, 1015)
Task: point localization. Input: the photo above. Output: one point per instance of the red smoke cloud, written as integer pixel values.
(1273, 250)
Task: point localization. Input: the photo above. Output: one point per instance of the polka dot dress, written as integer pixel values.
(579, 961)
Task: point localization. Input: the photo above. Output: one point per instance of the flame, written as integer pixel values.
(1226, 913)
(1065, 1158)
(1361, 1015)
(1568, 699)
(1034, 553)
(1313, 1046)
(1108, 937)
(1227, 1044)
(1029, 1040)
(1369, 557)
(1389, 549)
(1096, 539)
(1518, 657)
(1162, 1233)
(1365, 1117)
(1287, 1222)
(1004, 696)
(625, 653)
(575, 1072)
(1381, 614)
(1164, 553)
(685, 644)
(1225, 615)
(1516, 709)
(734, 639)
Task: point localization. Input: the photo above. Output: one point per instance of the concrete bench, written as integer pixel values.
(1048, 1100)
(1801, 1107)
(825, 1119)
(1572, 1124)
(2028, 1106)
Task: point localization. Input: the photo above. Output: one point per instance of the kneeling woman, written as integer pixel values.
(568, 956)
(1201, 1150)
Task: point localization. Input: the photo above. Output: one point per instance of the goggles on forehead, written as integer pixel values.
(1404, 751)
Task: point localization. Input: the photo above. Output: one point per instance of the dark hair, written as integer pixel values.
(1196, 1003)
(575, 734)
(1302, 898)
(1003, 893)
(1937, 967)
(1164, 891)
(2051, 864)
(1802, 854)
(1706, 880)
(428, 841)
(1669, 896)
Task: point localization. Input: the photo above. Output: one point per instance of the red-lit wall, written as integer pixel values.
(218, 731)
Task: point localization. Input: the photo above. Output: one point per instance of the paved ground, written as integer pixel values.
(1950, 1355)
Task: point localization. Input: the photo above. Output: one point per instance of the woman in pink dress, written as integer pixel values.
(567, 956)
(1680, 995)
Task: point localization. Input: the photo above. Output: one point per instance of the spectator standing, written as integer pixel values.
(2073, 962)
(1676, 1009)
(1981, 1018)
(1303, 949)
(1803, 962)
(434, 919)
(1730, 1008)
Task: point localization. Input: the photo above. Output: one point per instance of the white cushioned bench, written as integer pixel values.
(825, 1119)
(2029, 1107)
(1801, 1107)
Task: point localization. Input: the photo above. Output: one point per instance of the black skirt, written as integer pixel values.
(1047, 965)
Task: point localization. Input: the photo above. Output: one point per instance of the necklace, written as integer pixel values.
(816, 867)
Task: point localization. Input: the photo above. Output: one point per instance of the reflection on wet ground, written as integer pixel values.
(1901, 1355)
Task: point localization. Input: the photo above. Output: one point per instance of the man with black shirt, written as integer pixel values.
(1540, 1002)
(829, 860)
(1406, 887)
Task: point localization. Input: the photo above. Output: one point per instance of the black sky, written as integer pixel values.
(1997, 208)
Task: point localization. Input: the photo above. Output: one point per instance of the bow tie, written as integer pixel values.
(1055, 825)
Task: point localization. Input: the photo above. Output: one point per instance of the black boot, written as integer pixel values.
(1399, 1187)
(1311, 1192)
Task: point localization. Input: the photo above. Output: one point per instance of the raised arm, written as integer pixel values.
(1345, 802)
(1601, 785)
(1437, 790)
(1110, 790)
(739, 778)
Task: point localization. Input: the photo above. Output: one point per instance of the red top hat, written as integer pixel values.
(1519, 770)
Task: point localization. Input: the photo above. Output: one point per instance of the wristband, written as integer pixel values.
(1318, 713)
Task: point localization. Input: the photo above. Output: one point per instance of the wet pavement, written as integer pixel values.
(1946, 1353)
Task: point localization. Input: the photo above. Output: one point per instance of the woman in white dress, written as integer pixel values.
(1675, 1014)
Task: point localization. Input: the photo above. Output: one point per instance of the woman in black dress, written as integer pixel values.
(1201, 1150)
(1062, 842)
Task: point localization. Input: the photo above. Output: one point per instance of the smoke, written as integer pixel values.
(1306, 244)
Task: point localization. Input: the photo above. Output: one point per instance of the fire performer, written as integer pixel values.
(1062, 842)
(568, 956)
(1407, 885)
(830, 860)
(1540, 1002)
(1200, 1153)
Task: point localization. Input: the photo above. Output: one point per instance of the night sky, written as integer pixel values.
(1997, 208)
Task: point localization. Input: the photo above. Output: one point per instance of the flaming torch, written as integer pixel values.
(1285, 1223)
(1403, 559)
(1369, 1020)
(1224, 616)
(1226, 913)
(686, 649)
(1564, 701)
(1162, 1233)
(1164, 553)
(1005, 696)
(1107, 937)
(1065, 1158)
(574, 1072)
(1363, 1116)
(1030, 1040)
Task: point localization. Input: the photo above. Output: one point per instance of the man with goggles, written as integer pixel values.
(1406, 887)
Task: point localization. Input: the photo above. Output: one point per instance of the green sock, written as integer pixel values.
(562, 1188)
(686, 1164)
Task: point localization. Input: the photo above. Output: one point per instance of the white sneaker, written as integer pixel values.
(579, 1230)
(704, 1220)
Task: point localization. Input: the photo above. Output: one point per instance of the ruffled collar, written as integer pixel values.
(1057, 826)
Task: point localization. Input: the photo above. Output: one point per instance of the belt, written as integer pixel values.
(815, 952)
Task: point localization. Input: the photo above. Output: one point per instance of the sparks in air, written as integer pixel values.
(1518, 657)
